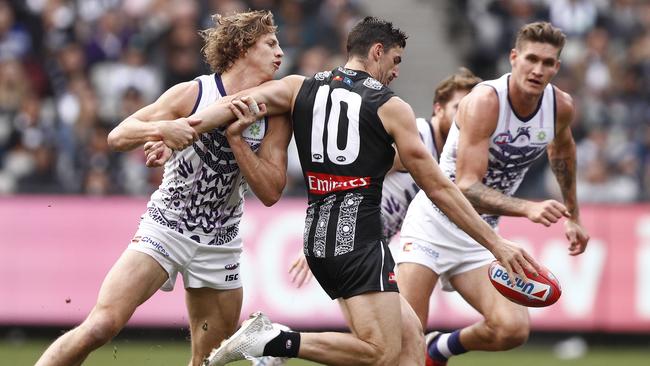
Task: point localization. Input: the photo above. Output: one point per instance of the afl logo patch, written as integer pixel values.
(322, 75)
(502, 138)
(372, 84)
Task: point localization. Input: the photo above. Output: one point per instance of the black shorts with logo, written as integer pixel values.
(370, 268)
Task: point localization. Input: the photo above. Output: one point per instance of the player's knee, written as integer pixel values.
(384, 356)
(101, 328)
(412, 333)
(380, 354)
(510, 332)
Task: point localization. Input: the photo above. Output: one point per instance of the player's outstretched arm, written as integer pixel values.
(399, 120)
(277, 95)
(266, 170)
(477, 117)
(163, 120)
(562, 157)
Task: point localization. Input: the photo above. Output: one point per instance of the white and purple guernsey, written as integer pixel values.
(516, 142)
(202, 191)
(399, 187)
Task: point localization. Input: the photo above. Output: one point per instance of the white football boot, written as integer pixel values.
(247, 343)
(270, 360)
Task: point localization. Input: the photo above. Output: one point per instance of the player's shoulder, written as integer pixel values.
(396, 105)
(482, 100)
(293, 81)
(564, 105)
(181, 97)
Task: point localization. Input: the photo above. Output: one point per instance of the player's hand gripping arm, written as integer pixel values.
(477, 117)
(399, 121)
(162, 120)
(562, 157)
(277, 95)
(266, 171)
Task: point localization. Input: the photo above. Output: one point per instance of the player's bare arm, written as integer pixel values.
(266, 170)
(562, 157)
(477, 118)
(399, 121)
(277, 95)
(163, 120)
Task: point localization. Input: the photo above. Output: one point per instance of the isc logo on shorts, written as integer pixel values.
(232, 277)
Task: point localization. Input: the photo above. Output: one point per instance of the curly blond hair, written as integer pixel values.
(233, 35)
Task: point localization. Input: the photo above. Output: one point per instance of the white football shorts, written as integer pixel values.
(430, 239)
(213, 266)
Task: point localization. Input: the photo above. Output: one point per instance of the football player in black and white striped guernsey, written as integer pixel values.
(191, 224)
(345, 122)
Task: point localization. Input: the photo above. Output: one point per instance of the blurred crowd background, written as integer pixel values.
(70, 70)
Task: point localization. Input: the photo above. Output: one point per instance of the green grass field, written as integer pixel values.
(143, 353)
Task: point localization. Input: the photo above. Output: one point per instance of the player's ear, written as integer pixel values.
(376, 50)
(437, 109)
(513, 56)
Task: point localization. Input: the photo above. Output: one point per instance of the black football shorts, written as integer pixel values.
(367, 269)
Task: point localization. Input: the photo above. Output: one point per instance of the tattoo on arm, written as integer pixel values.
(564, 169)
(490, 201)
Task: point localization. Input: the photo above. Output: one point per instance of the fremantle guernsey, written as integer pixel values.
(345, 153)
(516, 142)
(400, 188)
(202, 191)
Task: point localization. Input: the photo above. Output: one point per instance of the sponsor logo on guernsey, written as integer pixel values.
(155, 244)
(348, 81)
(373, 84)
(337, 78)
(528, 287)
(347, 72)
(232, 266)
(254, 132)
(322, 75)
(320, 183)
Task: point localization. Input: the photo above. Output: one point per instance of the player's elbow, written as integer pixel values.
(116, 140)
(269, 201)
(271, 198)
(465, 185)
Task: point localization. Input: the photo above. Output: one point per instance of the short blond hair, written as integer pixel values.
(542, 32)
(233, 35)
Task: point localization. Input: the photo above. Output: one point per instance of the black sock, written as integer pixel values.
(286, 344)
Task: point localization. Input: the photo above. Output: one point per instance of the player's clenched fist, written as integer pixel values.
(546, 212)
(179, 133)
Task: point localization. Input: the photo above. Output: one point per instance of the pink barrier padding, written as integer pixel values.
(55, 252)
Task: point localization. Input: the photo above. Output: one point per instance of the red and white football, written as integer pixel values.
(540, 291)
